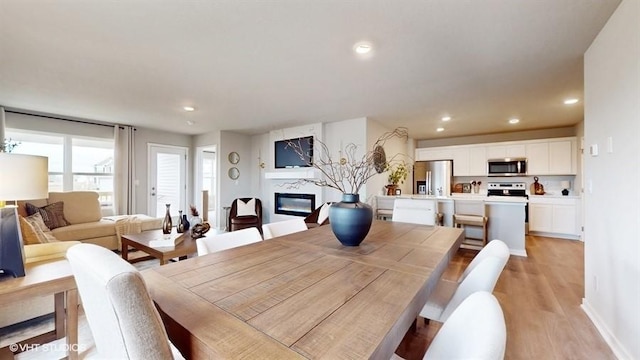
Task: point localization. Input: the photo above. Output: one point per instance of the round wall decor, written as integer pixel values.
(234, 157)
(234, 173)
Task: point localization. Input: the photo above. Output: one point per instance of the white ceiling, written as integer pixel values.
(254, 66)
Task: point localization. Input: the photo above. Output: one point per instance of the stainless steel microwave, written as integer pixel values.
(507, 167)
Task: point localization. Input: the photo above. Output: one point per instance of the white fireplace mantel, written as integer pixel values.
(293, 174)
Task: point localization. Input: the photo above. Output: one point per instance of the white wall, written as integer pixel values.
(229, 189)
(612, 193)
(395, 148)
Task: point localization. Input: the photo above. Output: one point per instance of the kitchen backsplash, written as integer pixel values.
(551, 183)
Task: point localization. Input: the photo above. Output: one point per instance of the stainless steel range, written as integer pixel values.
(518, 189)
(507, 189)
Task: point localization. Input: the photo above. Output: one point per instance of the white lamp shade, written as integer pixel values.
(23, 177)
(565, 184)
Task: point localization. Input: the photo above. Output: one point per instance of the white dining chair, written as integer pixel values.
(281, 228)
(495, 248)
(475, 330)
(124, 321)
(227, 240)
(416, 211)
(443, 301)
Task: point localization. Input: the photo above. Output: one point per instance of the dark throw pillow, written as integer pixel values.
(52, 214)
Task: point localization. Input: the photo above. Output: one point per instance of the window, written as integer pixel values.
(75, 163)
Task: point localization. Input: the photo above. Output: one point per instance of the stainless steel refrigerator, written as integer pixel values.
(433, 177)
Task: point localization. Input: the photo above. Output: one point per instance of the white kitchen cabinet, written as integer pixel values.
(427, 154)
(540, 217)
(538, 158)
(469, 161)
(461, 162)
(562, 157)
(552, 157)
(506, 151)
(556, 216)
(477, 161)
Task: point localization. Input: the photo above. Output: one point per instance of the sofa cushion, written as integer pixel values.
(85, 230)
(52, 214)
(34, 231)
(79, 206)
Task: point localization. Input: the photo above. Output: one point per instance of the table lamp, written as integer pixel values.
(565, 187)
(22, 177)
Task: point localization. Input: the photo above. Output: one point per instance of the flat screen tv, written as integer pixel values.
(286, 156)
(11, 258)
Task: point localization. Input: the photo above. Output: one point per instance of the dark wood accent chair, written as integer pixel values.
(237, 222)
(312, 219)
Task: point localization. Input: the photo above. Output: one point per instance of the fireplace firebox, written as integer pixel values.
(294, 204)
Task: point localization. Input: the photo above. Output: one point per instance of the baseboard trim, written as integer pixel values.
(522, 253)
(618, 349)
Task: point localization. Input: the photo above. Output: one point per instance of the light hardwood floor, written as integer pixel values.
(540, 296)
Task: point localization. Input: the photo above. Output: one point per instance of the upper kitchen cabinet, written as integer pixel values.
(470, 161)
(552, 157)
(428, 154)
(506, 151)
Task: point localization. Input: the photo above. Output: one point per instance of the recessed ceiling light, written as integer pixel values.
(190, 122)
(362, 48)
(571, 101)
(189, 108)
(514, 121)
(446, 118)
(440, 129)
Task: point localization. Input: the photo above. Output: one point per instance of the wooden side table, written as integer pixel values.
(42, 279)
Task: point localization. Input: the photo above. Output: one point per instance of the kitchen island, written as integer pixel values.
(506, 215)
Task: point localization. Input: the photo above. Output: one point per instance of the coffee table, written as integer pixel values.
(164, 254)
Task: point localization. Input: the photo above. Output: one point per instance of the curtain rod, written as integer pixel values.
(63, 119)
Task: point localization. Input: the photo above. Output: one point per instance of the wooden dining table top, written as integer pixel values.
(303, 295)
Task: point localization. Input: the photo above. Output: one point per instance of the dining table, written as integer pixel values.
(303, 295)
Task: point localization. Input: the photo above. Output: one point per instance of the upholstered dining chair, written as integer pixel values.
(123, 319)
(282, 228)
(416, 211)
(475, 330)
(443, 301)
(319, 216)
(245, 213)
(495, 248)
(228, 240)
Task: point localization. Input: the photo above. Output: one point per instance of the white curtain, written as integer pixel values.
(124, 165)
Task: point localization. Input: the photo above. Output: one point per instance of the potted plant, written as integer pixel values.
(397, 174)
(350, 219)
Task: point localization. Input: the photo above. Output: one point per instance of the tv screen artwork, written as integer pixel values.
(11, 260)
(287, 158)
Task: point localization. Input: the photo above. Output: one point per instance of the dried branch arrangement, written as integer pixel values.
(348, 173)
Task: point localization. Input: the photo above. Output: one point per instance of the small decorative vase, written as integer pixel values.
(185, 223)
(350, 219)
(166, 222)
(180, 225)
(391, 189)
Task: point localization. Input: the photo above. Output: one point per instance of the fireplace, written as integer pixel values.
(294, 204)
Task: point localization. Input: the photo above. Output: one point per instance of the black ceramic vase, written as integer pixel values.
(350, 219)
(185, 223)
